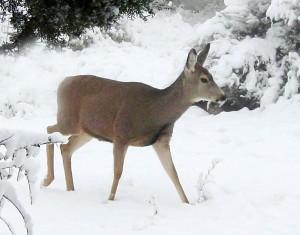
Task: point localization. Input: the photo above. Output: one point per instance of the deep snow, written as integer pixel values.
(253, 188)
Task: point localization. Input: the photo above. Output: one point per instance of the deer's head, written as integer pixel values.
(198, 81)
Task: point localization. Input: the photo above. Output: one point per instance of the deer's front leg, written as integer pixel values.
(162, 149)
(119, 151)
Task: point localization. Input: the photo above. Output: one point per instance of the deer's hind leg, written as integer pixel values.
(50, 158)
(75, 142)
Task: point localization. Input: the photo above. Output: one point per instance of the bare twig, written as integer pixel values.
(29, 188)
(7, 224)
(2, 141)
(21, 212)
(203, 180)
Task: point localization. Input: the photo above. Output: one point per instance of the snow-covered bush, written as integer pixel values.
(287, 10)
(20, 156)
(293, 75)
(255, 50)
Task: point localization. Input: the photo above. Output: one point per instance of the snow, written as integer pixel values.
(286, 10)
(20, 153)
(293, 75)
(253, 189)
(240, 169)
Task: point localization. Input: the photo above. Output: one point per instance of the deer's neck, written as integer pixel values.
(174, 99)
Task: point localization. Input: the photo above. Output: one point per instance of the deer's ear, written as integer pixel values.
(203, 54)
(191, 60)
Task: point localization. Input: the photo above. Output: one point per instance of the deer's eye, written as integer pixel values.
(204, 80)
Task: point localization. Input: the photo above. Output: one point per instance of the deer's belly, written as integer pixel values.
(144, 140)
(147, 139)
(98, 131)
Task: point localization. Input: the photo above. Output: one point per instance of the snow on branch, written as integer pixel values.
(19, 154)
(286, 10)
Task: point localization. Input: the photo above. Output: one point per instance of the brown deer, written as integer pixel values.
(128, 114)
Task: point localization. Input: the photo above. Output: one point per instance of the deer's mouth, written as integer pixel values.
(221, 103)
(220, 100)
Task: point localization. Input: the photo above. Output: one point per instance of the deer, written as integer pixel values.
(127, 114)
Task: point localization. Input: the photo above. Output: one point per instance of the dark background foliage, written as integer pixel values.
(56, 20)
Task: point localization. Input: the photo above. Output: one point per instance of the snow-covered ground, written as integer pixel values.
(253, 189)
(240, 170)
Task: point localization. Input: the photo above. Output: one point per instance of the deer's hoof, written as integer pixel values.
(185, 200)
(71, 188)
(47, 181)
(111, 197)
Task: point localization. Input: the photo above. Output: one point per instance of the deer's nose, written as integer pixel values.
(222, 98)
